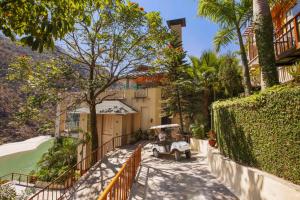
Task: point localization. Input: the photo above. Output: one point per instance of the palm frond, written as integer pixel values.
(223, 37)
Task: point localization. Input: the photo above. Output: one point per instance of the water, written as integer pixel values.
(23, 162)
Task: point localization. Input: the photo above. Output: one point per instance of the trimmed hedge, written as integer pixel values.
(262, 130)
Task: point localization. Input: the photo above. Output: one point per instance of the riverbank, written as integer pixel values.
(26, 145)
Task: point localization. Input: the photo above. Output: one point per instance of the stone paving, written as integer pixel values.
(165, 179)
(94, 181)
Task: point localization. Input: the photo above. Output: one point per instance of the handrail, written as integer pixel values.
(120, 186)
(19, 178)
(60, 186)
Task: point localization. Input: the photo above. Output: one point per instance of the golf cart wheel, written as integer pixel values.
(155, 153)
(177, 155)
(188, 154)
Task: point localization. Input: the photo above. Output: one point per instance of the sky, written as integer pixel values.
(198, 33)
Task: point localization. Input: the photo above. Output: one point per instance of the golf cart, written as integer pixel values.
(173, 143)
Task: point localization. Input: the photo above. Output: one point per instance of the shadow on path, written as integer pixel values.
(164, 178)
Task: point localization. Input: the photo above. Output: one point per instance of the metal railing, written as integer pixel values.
(58, 188)
(17, 178)
(120, 186)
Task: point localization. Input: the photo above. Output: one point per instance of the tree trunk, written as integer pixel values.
(93, 126)
(179, 109)
(92, 105)
(263, 27)
(246, 74)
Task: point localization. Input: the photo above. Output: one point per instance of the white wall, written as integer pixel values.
(250, 183)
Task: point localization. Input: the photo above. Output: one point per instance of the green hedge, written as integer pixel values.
(262, 130)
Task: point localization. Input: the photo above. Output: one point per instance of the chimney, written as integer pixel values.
(176, 26)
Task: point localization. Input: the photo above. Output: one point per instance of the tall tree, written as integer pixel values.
(263, 27)
(114, 40)
(173, 64)
(230, 15)
(109, 45)
(203, 71)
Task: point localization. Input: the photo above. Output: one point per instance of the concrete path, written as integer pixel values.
(166, 179)
(94, 181)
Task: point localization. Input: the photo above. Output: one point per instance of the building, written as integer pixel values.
(130, 105)
(286, 20)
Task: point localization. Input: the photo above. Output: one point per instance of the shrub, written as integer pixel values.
(59, 158)
(262, 130)
(7, 192)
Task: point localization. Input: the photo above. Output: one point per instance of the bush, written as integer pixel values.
(7, 192)
(262, 130)
(198, 128)
(59, 158)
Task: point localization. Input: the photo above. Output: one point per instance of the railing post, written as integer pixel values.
(296, 31)
(113, 143)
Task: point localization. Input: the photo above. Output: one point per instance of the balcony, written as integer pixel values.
(141, 93)
(286, 43)
(114, 94)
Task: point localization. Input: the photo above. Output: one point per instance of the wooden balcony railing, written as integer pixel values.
(286, 39)
(120, 186)
(60, 188)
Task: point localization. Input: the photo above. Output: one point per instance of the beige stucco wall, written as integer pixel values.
(249, 183)
(84, 149)
(201, 146)
(148, 107)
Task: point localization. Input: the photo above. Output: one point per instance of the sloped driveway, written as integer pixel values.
(166, 179)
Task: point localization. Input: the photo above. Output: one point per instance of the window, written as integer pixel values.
(72, 122)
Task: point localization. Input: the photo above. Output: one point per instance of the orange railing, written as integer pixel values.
(120, 186)
(59, 188)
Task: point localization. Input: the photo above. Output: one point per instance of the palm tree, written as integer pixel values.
(263, 27)
(203, 71)
(230, 15)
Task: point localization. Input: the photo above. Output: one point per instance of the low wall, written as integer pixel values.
(199, 146)
(250, 183)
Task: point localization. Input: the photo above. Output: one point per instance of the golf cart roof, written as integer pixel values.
(165, 126)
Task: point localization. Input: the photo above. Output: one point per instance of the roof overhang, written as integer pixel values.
(113, 107)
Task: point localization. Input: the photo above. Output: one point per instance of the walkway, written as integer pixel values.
(95, 180)
(164, 179)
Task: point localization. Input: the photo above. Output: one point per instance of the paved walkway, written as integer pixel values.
(166, 179)
(94, 181)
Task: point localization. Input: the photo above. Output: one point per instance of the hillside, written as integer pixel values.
(10, 97)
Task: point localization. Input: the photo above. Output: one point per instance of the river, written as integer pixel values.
(23, 162)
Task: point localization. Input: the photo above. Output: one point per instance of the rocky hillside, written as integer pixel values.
(10, 96)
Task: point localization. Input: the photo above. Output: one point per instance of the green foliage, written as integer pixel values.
(211, 77)
(229, 76)
(174, 65)
(295, 72)
(40, 22)
(262, 130)
(59, 158)
(40, 83)
(7, 192)
(198, 128)
(230, 15)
